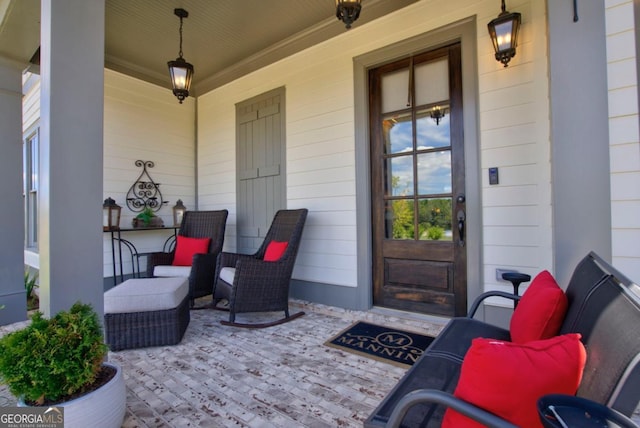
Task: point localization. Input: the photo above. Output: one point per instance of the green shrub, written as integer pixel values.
(435, 233)
(51, 359)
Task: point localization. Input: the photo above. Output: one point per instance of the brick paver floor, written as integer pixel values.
(282, 376)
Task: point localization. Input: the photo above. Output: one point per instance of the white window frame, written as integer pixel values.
(30, 174)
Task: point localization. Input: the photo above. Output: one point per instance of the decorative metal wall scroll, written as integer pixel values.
(144, 193)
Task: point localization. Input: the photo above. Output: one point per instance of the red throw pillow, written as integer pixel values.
(274, 251)
(507, 378)
(541, 310)
(186, 247)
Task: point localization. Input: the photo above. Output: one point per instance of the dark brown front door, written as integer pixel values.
(417, 181)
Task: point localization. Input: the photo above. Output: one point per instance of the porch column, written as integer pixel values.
(72, 104)
(12, 293)
(579, 134)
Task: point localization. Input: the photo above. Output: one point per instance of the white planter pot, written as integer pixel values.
(105, 407)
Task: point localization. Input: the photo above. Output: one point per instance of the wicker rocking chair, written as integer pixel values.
(201, 273)
(252, 283)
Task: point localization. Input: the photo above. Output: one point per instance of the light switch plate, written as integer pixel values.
(493, 176)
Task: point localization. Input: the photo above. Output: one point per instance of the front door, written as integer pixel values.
(417, 183)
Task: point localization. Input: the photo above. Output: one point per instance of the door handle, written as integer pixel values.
(461, 220)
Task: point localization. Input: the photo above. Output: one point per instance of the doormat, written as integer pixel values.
(399, 347)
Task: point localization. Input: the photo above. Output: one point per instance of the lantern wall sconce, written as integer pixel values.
(504, 34)
(181, 71)
(178, 213)
(110, 215)
(348, 11)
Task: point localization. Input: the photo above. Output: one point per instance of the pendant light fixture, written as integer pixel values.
(504, 34)
(438, 113)
(348, 11)
(181, 71)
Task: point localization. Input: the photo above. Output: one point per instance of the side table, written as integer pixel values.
(116, 237)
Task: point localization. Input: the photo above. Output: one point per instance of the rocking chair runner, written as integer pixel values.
(201, 273)
(252, 284)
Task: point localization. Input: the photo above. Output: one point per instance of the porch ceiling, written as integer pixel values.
(223, 39)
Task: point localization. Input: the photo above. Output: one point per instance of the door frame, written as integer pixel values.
(464, 31)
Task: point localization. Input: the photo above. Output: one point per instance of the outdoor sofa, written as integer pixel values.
(602, 305)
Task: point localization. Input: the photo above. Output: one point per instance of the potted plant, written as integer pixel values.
(61, 362)
(147, 218)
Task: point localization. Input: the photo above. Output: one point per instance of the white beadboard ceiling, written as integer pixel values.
(223, 39)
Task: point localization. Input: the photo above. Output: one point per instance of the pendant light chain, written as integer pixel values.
(180, 53)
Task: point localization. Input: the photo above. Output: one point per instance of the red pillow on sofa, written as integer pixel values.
(541, 310)
(274, 251)
(507, 378)
(186, 247)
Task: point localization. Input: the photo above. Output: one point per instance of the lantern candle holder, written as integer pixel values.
(178, 212)
(110, 214)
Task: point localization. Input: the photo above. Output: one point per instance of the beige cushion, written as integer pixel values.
(227, 274)
(145, 294)
(169, 271)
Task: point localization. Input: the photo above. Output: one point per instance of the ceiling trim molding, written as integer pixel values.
(324, 30)
(321, 32)
(12, 63)
(274, 53)
(134, 70)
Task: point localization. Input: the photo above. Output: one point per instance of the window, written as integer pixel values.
(31, 162)
(416, 153)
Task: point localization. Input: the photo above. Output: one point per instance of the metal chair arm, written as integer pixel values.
(487, 294)
(446, 399)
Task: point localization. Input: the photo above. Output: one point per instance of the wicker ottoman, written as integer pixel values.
(146, 312)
